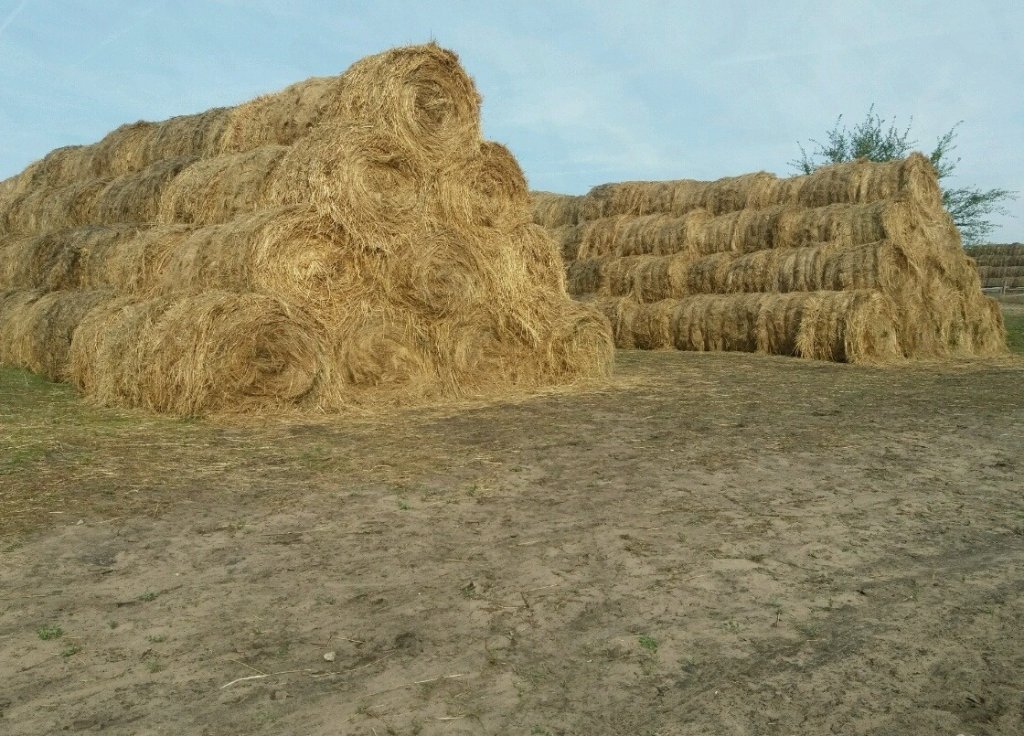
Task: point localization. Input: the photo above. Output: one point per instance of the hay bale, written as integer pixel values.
(487, 189)
(846, 326)
(281, 118)
(992, 273)
(36, 327)
(358, 244)
(214, 190)
(698, 233)
(136, 197)
(555, 210)
(881, 265)
(61, 259)
(359, 178)
(911, 180)
(217, 351)
(42, 210)
(420, 95)
(982, 252)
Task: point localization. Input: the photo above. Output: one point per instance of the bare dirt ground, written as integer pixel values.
(714, 544)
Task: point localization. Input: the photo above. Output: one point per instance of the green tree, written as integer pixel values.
(879, 140)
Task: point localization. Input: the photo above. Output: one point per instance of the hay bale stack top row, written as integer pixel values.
(857, 262)
(348, 241)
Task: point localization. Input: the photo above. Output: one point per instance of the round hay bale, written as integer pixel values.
(210, 353)
(359, 178)
(36, 328)
(214, 190)
(487, 190)
(419, 94)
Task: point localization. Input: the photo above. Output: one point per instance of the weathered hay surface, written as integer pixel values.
(60, 259)
(820, 267)
(215, 351)
(419, 94)
(216, 189)
(42, 210)
(848, 326)
(281, 118)
(128, 150)
(359, 178)
(855, 228)
(698, 233)
(912, 179)
(348, 241)
(555, 210)
(36, 327)
(488, 188)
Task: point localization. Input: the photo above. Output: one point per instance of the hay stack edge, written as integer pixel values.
(348, 241)
(857, 262)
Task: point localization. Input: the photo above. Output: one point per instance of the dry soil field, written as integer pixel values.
(713, 544)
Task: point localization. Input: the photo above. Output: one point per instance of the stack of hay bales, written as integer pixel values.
(857, 262)
(999, 266)
(349, 241)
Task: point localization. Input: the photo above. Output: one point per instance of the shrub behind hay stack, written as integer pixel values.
(349, 241)
(722, 248)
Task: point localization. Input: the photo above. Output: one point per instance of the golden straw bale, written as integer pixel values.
(419, 94)
(541, 256)
(744, 231)
(486, 189)
(197, 135)
(851, 326)
(36, 327)
(820, 267)
(281, 118)
(132, 265)
(136, 197)
(360, 178)
(987, 330)
(60, 259)
(912, 180)
(213, 190)
(555, 210)
(993, 263)
(42, 210)
(213, 352)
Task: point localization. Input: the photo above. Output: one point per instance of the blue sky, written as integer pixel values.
(582, 92)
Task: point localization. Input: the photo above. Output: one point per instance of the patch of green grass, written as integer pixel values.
(649, 643)
(156, 639)
(403, 504)
(148, 596)
(1015, 332)
(70, 650)
(49, 632)
(14, 458)
(154, 664)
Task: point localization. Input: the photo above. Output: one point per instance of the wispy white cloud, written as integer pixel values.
(12, 15)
